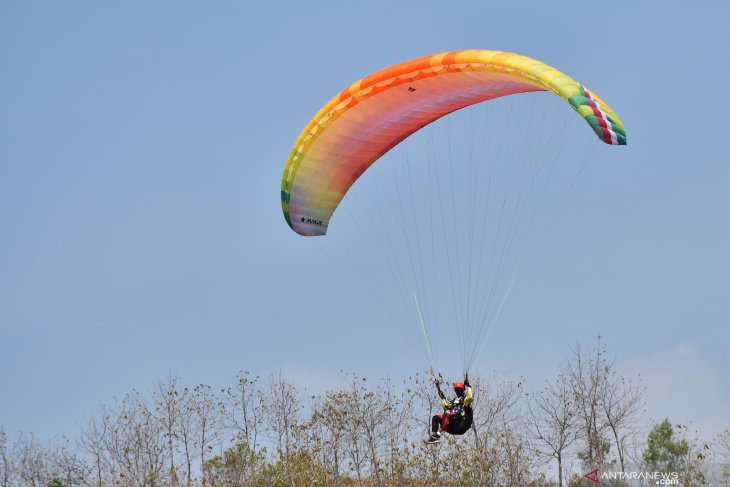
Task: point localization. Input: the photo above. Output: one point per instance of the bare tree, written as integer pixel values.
(551, 421)
(723, 441)
(166, 403)
(587, 372)
(426, 403)
(138, 444)
(621, 402)
(394, 417)
(329, 416)
(245, 415)
(6, 467)
(282, 414)
(723, 455)
(353, 425)
(207, 409)
(34, 463)
(185, 433)
(70, 465)
(96, 440)
(496, 407)
(606, 404)
(371, 410)
(512, 464)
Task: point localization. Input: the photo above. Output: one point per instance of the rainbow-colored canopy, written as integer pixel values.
(374, 114)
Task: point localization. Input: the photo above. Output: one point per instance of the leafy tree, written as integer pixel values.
(664, 452)
(237, 466)
(667, 451)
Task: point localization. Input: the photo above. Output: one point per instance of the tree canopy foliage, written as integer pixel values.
(267, 432)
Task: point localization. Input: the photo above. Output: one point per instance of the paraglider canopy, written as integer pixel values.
(373, 115)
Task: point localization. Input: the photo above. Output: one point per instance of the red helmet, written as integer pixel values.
(458, 385)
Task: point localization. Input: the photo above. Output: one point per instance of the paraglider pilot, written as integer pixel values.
(457, 416)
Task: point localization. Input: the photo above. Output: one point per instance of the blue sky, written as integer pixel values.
(141, 151)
